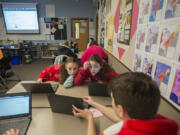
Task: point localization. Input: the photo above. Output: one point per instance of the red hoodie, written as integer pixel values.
(93, 49)
(84, 75)
(50, 73)
(158, 126)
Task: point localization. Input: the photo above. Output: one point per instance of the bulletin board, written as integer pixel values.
(56, 28)
(125, 15)
(102, 22)
(157, 47)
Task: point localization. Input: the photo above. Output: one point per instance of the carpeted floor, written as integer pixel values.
(27, 72)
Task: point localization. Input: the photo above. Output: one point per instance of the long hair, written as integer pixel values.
(63, 72)
(105, 67)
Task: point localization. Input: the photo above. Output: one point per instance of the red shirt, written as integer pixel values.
(84, 75)
(50, 73)
(93, 49)
(160, 125)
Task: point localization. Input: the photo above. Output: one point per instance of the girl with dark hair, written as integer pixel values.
(64, 73)
(91, 50)
(96, 69)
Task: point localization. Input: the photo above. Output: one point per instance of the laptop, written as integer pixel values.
(97, 89)
(40, 87)
(15, 112)
(63, 104)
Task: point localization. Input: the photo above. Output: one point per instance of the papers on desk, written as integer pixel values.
(96, 113)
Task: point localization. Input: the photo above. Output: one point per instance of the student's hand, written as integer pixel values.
(39, 80)
(86, 114)
(12, 132)
(100, 82)
(86, 65)
(88, 99)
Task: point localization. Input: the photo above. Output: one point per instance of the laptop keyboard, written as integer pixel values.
(20, 124)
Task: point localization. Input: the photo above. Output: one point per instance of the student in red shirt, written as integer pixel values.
(135, 101)
(96, 69)
(61, 72)
(91, 50)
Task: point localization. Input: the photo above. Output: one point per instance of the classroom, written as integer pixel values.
(62, 63)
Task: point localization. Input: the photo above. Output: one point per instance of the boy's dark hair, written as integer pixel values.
(137, 93)
(105, 67)
(63, 72)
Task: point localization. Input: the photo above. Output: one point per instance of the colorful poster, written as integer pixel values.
(102, 26)
(125, 17)
(169, 43)
(140, 41)
(156, 10)
(137, 63)
(144, 11)
(175, 93)
(161, 77)
(110, 34)
(147, 65)
(152, 39)
(172, 9)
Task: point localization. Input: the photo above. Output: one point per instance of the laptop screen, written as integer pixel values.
(14, 105)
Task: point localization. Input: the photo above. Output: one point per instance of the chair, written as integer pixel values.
(6, 71)
(60, 59)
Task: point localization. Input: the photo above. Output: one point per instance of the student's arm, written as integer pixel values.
(48, 72)
(86, 114)
(109, 112)
(39, 80)
(44, 75)
(69, 82)
(82, 75)
(110, 75)
(12, 132)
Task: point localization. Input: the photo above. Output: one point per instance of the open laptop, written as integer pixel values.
(15, 112)
(97, 89)
(40, 87)
(63, 104)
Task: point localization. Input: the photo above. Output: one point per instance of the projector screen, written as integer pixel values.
(20, 18)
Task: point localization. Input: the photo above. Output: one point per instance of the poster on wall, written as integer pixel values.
(156, 10)
(152, 38)
(108, 6)
(56, 27)
(137, 67)
(175, 90)
(148, 64)
(169, 42)
(158, 39)
(110, 34)
(144, 11)
(162, 76)
(140, 38)
(102, 26)
(172, 9)
(125, 16)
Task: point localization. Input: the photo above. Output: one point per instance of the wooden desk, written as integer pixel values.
(45, 122)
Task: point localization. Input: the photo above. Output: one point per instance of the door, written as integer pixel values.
(80, 32)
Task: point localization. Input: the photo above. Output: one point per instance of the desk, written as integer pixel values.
(45, 122)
